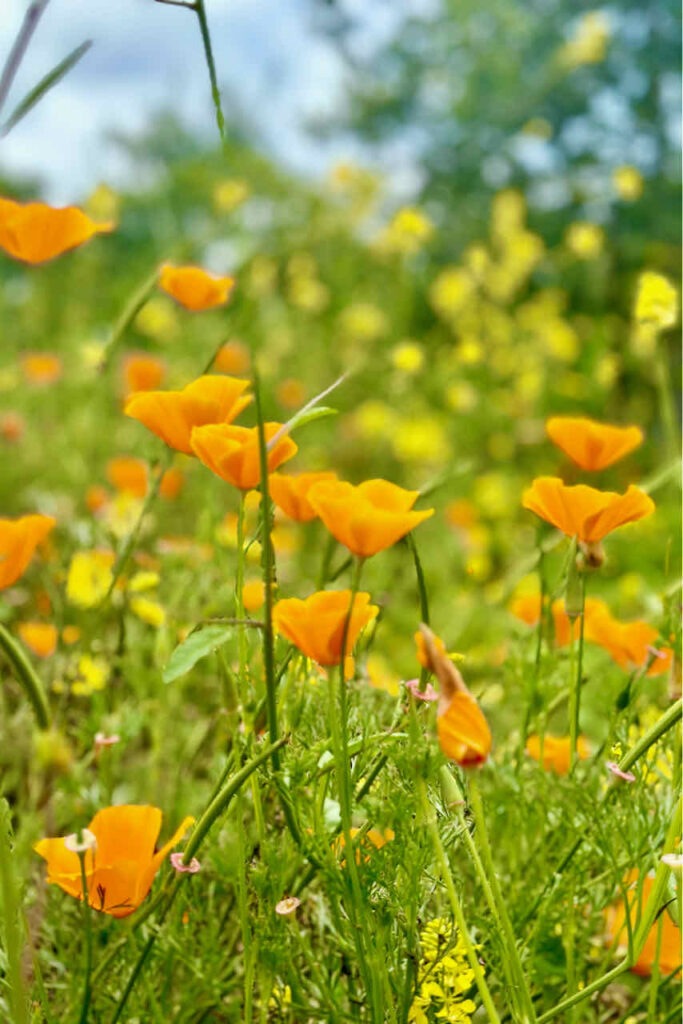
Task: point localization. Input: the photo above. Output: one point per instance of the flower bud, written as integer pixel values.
(81, 843)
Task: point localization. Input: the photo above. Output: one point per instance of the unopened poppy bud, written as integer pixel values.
(450, 790)
(79, 843)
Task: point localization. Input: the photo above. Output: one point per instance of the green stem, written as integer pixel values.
(666, 402)
(128, 314)
(88, 942)
(444, 867)
(26, 675)
(10, 916)
(666, 722)
(492, 890)
(579, 672)
(654, 980)
(200, 11)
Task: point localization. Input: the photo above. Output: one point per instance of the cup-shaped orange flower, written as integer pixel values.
(616, 929)
(120, 870)
(556, 751)
(142, 372)
(591, 445)
(128, 475)
(464, 734)
(367, 518)
(39, 637)
(316, 625)
(194, 288)
(19, 538)
(290, 493)
(171, 415)
(232, 452)
(36, 232)
(585, 512)
(631, 644)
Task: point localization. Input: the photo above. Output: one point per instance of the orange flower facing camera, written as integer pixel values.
(585, 512)
(194, 288)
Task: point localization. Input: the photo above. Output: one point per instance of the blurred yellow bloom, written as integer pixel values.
(380, 675)
(363, 321)
(229, 194)
(146, 580)
(157, 319)
(374, 419)
(408, 356)
(588, 44)
(262, 278)
(253, 595)
(420, 439)
(585, 240)
(149, 611)
(103, 203)
(494, 494)
(628, 183)
(450, 291)
(407, 232)
(656, 300)
(308, 293)
(561, 340)
(462, 397)
(607, 370)
(508, 214)
(89, 577)
(469, 352)
(92, 675)
(122, 513)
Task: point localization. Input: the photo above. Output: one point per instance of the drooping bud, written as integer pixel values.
(81, 842)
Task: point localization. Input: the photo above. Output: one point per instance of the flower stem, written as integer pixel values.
(444, 867)
(88, 942)
(492, 891)
(26, 675)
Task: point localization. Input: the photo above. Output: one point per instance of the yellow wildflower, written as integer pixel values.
(149, 611)
(628, 183)
(585, 240)
(656, 300)
(89, 577)
(229, 194)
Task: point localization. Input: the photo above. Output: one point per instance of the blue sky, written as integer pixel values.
(148, 55)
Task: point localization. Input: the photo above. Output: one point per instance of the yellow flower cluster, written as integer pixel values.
(444, 977)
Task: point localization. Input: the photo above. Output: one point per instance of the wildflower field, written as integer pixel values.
(340, 558)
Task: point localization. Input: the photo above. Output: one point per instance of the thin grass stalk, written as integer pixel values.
(9, 919)
(131, 309)
(444, 868)
(26, 675)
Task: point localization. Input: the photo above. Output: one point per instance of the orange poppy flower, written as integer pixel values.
(631, 644)
(171, 415)
(232, 452)
(39, 637)
(194, 288)
(120, 870)
(233, 357)
(367, 518)
(373, 839)
(36, 232)
(11, 426)
(128, 475)
(290, 393)
(583, 511)
(290, 493)
(172, 483)
(556, 751)
(142, 372)
(19, 538)
(464, 734)
(41, 367)
(592, 445)
(316, 625)
(616, 929)
(253, 595)
(96, 497)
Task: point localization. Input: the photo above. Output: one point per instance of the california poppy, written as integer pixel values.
(631, 644)
(372, 840)
(615, 925)
(41, 368)
(290, 493)
(585, 512)
(591, 445)
(172, 483)
(316, 624)
(194, 288)
(367, 518)
(36, 232)
(556, 751)
(120, 870)
(128, 475)
(233, 357)
(171, 415)
(464, 734)
(39, 637)
(19, 538)
(11, 426)
(142, 372)
(232, 452)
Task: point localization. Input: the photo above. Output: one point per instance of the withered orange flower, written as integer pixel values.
(464, 734)
(19, 538)
(194, 288)
(585, 512)
(290, 493)
(39, 637)
(41, 368)
(556, 751)
(232, 452)
(616, 930)
(367, 518)
(128, 475)
(142, 372)
(36, 232)
(592, 445)
(120, 870)
(171, 415)
(316, 625)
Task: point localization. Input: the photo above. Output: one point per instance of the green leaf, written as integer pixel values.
(44, 85)
(196, 647)
(309, 415)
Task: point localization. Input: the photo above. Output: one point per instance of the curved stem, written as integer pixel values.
(26, 675)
